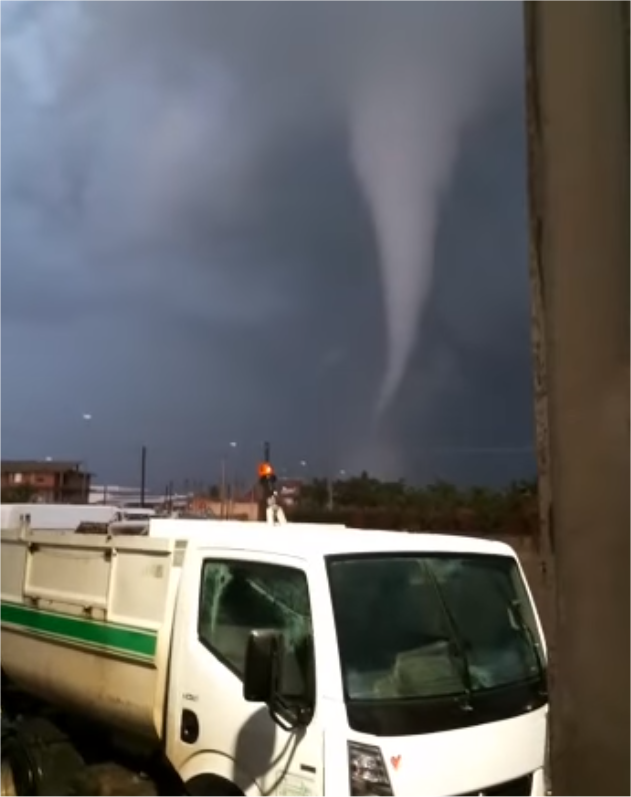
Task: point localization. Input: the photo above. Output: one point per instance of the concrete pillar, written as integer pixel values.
(578, 116)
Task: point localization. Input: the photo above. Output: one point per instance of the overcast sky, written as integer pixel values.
(230, 222)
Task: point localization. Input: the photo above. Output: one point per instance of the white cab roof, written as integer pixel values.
(309, 540)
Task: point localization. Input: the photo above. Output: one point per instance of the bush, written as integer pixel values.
(19, 494)
(370, 504)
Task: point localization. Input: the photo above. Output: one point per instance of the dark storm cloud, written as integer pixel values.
(211, 233)
(472, 363)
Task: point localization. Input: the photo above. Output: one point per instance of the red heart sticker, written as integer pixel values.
(395, 760)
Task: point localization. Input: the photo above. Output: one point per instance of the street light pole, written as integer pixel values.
(233, 476)
(227, 480)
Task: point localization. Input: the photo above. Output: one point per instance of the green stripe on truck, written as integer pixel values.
(64, 627)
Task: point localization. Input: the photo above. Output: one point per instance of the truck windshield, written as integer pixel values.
(430, 626)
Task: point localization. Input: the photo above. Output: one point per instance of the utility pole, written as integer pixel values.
(261, 513)
(171, 489)
(578, 140)
(223, 513)
(143, 474)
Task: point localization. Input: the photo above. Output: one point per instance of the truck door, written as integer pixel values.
(212, 730)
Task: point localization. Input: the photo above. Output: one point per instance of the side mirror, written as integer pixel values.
(263, 657)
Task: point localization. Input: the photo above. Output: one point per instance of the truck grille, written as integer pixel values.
(519, 786)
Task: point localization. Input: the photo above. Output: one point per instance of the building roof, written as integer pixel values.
(38, 466)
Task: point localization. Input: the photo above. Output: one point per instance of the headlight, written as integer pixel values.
(367, 771)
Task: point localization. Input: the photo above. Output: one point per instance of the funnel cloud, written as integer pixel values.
(251, 199)
(406, 122)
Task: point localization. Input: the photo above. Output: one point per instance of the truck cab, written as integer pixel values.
(310, 661)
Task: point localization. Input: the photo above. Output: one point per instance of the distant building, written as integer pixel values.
(45, 481)
(289, 491)
(238, 508)
(119, 495)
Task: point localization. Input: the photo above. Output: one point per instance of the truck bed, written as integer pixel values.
(86, 622)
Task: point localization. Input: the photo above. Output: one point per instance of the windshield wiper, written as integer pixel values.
(527, 632)
(456, 643)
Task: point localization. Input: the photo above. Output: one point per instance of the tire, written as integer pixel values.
(212, 786)
(7, 781)
(17, 776)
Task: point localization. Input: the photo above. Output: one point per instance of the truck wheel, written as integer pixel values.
(7, 781)
(17, 769)
(209, 785)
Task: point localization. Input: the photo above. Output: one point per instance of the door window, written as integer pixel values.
(238, 597)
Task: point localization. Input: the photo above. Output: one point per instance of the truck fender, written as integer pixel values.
(210, 770)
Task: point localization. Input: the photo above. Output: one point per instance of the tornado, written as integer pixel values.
(403, 154)
(406, 123)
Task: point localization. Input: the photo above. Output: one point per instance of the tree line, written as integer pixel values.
(366, 502)
(18, 494)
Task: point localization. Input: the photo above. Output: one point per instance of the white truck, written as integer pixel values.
(234, 658)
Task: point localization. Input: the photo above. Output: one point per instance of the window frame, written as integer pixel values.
(419, 716)
(522, 590)
(245, 563)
